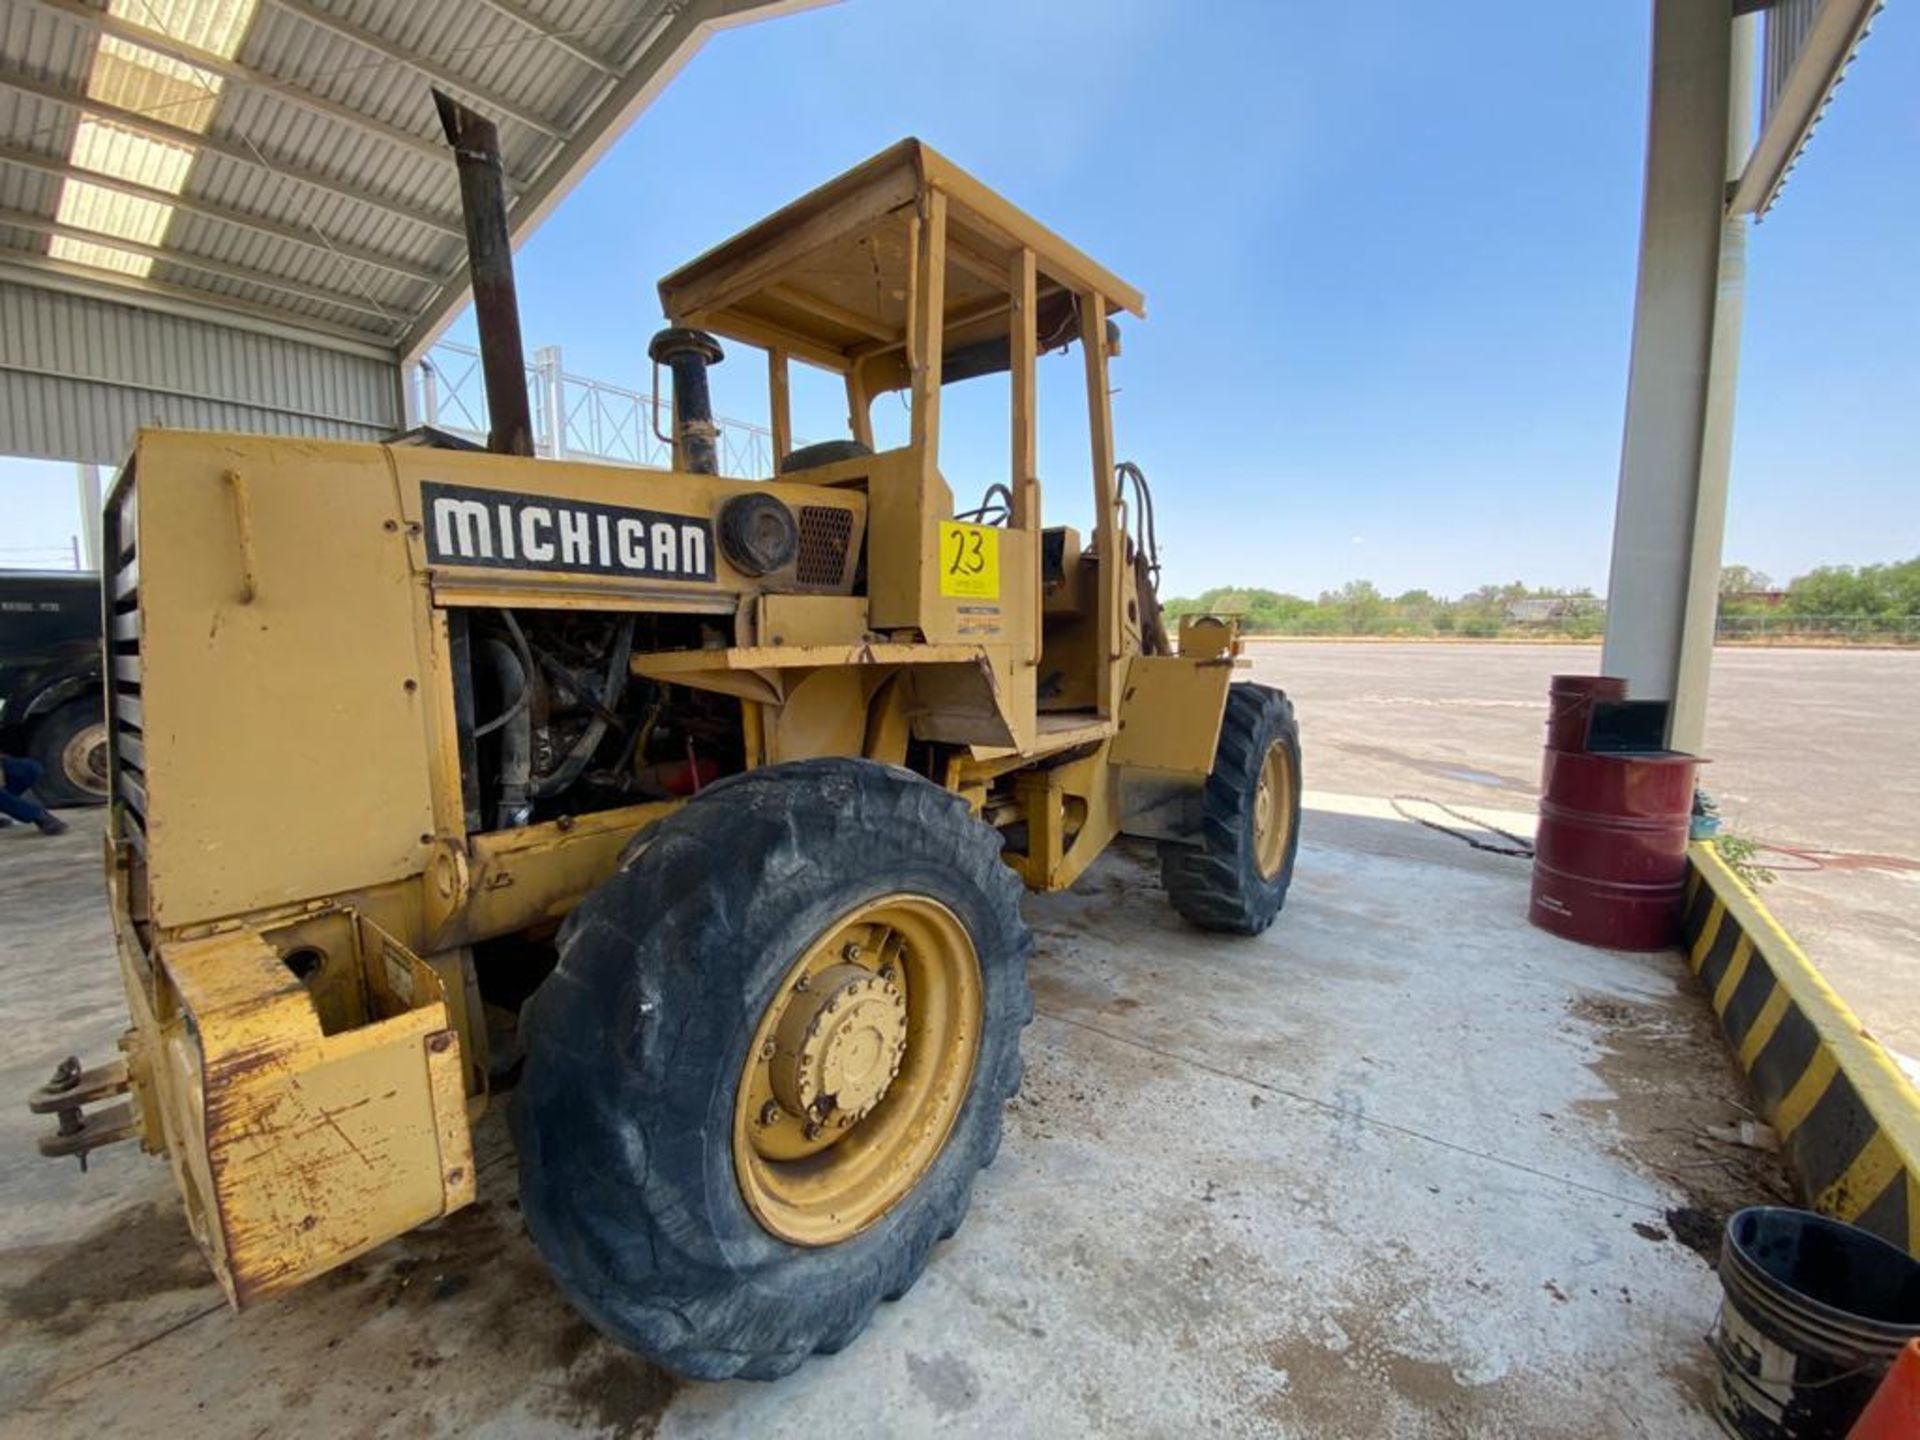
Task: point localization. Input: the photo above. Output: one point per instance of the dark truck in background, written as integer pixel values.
(50, 693)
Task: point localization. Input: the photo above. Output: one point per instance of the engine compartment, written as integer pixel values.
(553, 724)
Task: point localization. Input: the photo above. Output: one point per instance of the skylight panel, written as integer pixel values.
(125, 217)
(100, 257)
(215, 25)
(106, 149)
(139, 79)
(158, 86)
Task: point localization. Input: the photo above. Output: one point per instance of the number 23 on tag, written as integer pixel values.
(969, 560)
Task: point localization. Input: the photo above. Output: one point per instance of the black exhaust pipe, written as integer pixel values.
(483, 210)
(688, 353)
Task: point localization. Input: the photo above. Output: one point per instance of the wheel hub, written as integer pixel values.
(839, 1045)
(1272, 810)
(83, 759)
(858, 1069)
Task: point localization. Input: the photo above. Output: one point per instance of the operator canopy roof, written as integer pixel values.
(827, 278)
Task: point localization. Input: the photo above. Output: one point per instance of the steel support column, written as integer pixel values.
(1662, 596)
(87, 486)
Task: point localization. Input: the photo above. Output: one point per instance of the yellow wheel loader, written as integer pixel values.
(727, 786)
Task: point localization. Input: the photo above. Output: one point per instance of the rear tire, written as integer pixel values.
(640, 1048)
(1235, 879)
(70, 745)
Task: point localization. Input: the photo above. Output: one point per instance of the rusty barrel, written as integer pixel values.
(1570, 705)
(1610, 855)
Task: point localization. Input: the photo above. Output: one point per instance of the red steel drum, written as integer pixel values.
(1570, 705)
(1610, 856)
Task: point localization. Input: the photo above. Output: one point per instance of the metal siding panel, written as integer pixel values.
(78, 375)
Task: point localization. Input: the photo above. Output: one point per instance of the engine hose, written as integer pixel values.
(596, 731)
(511, 807)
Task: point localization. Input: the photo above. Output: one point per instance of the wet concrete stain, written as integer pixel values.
(135, 1255)
(1699, 1229)
(621, 1395)
(949, 1384)
(1665, 1101)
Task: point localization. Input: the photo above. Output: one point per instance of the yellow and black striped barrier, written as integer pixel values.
(1847, 1117)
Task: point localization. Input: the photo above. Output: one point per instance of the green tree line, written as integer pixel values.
(1880, 592)
(1868, 593)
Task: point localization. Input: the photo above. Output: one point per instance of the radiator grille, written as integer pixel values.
(824, 533)
(126, 718)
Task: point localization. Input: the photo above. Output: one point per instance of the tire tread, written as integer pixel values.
(1214, 883)
(617, 1187)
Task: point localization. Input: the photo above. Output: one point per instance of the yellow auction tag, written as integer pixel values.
(969, 560)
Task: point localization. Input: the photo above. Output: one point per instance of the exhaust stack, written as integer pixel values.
(483, 210)
(688, 353)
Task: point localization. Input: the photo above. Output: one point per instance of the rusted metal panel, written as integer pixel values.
(302, 1145)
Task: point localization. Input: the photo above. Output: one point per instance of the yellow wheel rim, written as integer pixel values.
(1273, 810)
(858, 1069)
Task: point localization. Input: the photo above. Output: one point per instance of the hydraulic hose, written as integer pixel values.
(596, 731)
(512, 808)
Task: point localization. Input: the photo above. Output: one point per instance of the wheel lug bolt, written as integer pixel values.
(812, 1132)
(769, 1112)
(766, 1050)
(850, 951)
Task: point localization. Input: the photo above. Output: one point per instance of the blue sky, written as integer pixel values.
(1388, 253)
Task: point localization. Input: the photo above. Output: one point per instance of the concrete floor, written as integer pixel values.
(1811, 750)
(1400, 1166)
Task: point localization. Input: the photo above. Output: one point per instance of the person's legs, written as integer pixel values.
(20, 774)
(17, 776)
(17, 807)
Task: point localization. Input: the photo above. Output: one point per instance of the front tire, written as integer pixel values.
(715, 1161)
(70, 745)
(1235, 879)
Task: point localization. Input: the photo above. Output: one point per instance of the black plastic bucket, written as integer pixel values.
(1815, 1312)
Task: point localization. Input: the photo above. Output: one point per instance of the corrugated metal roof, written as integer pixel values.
(1807, 48)
(281, 158)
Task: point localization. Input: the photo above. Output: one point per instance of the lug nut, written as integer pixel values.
(812, 1132)
(769, 1112)
(850, 951)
